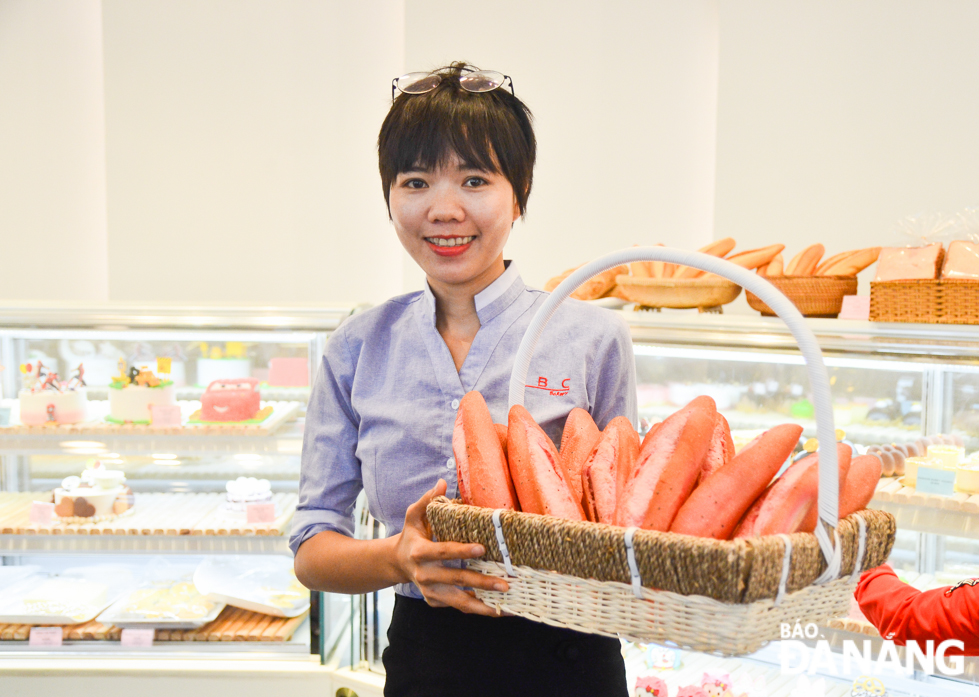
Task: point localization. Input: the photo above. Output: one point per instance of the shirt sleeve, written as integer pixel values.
(614, 382)
(903, 613)
(330, 478)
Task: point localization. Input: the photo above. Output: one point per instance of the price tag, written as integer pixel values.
(259, 513)
(165, 415)
(163, 365)
(41, 513)
(855, 307)
(45, 636)
(137, 638)
(935, 481)
(4, 416)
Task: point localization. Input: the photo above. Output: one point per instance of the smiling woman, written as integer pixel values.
(456, 155)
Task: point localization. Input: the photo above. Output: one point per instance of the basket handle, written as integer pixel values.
(780, 305)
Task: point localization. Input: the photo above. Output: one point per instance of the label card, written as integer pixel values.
(934, 481)
(45, 636)
(855, 307)
(41, 513)
(137, 638)
(4, 416)
(165, 415)
(259, 513)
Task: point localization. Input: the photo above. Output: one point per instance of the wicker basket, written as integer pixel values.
(726, 597)
(707, 595)
(701, 293)
(947, 301)
(815, 296)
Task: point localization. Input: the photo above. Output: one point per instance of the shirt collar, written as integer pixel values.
(488, 296)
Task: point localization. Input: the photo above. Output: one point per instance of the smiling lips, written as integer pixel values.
(449, 246)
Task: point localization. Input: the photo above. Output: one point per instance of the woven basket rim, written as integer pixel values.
(738, 571)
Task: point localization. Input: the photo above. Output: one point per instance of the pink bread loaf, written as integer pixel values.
(230, 399)
(961, 260)
(908, 263)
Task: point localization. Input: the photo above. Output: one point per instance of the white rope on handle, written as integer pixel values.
(780, 305)
(861, 550)
(786, 566)
(501, 542)
(630, 554)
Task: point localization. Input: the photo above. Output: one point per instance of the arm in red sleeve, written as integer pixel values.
(903, 613)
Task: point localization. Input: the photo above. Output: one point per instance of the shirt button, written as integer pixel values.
(455, 403)
(450, 463)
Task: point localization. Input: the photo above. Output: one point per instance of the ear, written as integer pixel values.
(516, 208)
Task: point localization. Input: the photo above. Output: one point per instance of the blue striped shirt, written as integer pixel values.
(383, 404)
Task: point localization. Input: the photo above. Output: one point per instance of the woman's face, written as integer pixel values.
(454, 221)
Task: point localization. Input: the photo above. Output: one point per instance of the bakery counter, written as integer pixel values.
(142, 544)
(148, 440)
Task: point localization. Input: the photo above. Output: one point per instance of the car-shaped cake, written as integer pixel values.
(230, 399)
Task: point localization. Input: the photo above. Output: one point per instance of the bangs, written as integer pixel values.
(431, 133)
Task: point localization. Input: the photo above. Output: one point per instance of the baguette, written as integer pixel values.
(854, 263)
(580, 437)
(775, 267)
(597, 286)
(556, 281)
(826, 263)
(535, 468)
(607, 469)
(753, 258)
(481, 467)
(805, 262)
(717, 249)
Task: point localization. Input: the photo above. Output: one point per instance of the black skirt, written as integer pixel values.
(436, 652)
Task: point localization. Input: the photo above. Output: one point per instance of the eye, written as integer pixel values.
(473, 182)
(414, 183)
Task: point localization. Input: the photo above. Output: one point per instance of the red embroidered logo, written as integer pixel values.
(555, 391)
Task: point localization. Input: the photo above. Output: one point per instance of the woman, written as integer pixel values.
(456, 154)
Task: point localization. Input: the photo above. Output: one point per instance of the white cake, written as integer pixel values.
(211, 369)
(131, 404)
(68, 407)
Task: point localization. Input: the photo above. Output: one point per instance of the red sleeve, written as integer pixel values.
(903, 613)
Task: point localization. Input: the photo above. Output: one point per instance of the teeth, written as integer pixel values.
(450, 242)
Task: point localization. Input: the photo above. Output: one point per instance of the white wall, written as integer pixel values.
(836, 119)
(241, 149)
(52, 151)
(233, 142)
(624, 96)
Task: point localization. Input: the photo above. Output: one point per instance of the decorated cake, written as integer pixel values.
(245, 490)
(652, 686)
(132, 396)
(230, 399)
(98, 494)
(45, 399)
(216, 363)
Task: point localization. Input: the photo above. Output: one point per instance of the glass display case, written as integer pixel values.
(891, 384)
(189, 565)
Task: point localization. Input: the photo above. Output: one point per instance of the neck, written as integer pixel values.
(455, 304)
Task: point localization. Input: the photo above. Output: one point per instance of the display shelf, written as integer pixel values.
(282, 412)
(156, 514)
(867, 434)
(956, 516)
(193, 393)
(146, 440)
(232, 625)
(142, 544)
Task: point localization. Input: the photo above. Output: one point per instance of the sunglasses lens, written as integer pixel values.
(418, 83)
(482, 81)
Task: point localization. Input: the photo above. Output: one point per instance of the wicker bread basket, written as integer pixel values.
(726, 597)
(947, 301)
(815, 296)
(678, 292)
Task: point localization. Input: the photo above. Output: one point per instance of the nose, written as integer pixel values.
(446, 204)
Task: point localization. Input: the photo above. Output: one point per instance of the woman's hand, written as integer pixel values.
(420, 561)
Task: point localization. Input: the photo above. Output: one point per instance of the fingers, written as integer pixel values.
(438, 575)
(416, 511)
(426, 550)
(448, 596)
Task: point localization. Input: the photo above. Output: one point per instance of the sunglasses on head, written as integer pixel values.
(472, 81)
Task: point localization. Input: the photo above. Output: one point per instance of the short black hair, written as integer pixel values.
(489, 130)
